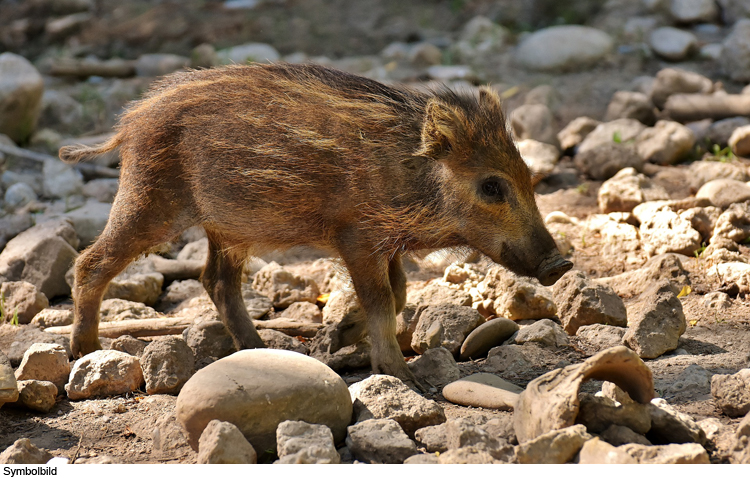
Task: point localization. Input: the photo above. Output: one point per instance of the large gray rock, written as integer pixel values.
(21, 88)
(386, 397)
(258, 389)
(656, 321)
(222, 443)
(104, 373)
(735, 55)
(41, 256)
(379, 441)
(582, 302)
(167, 364)
(298, 442)
(668, 425)
(563, 48)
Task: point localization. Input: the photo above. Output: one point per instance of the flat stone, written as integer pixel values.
(483, 390)
(485, 336)
(258, 389)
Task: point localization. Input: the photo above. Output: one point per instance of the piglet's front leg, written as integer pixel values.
(370, 276)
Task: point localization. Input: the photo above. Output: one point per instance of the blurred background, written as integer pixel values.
(95, 55)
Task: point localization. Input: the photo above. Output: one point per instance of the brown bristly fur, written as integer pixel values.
(273, 156)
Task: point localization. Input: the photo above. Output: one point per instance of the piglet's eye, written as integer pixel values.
(493, 189)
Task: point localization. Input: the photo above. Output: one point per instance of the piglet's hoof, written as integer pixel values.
(80, 346)
(550, 402)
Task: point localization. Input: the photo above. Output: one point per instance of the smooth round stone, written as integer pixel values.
(483, 390)
(258, 389)
(724, 192)
(485, 336)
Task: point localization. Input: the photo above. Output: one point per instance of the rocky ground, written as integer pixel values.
(639, 124)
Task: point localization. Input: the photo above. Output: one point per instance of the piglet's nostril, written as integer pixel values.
(553, 271)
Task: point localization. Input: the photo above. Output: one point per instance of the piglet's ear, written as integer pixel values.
(442, 129)
(490, 99)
